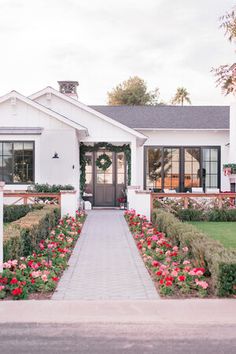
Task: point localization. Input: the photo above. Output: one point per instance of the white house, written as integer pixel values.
(50, 137)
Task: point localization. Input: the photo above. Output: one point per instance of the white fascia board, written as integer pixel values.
(21, 130)
(61, 118)
(182, 129)
(141, 137)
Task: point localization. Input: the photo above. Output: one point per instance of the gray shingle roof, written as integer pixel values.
(169, 117)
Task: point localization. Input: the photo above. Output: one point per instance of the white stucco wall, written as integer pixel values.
(98, 129)
(56, 137)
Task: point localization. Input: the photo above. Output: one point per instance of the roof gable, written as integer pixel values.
(89, 109)
(28, 101)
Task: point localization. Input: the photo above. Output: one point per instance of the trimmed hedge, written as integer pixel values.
(207, 215)
(15, 212)
(22, 236)
(47, 188)
(218, 261)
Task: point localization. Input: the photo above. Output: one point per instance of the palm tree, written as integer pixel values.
(181, 96)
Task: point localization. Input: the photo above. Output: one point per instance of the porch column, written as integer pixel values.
(134, 165)
(2, 184)
(232, 135)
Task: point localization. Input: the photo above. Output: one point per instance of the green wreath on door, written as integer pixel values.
(103, 162)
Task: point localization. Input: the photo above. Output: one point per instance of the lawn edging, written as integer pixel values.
(217, 260)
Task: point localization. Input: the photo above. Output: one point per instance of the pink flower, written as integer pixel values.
(175, 248)
(6, 265)
(185, 249)
(201, 283)
(44, 277)
(186, 262)
(2, 287)
(36, 274)
(22, 266)
(154, 238)
(174, 273)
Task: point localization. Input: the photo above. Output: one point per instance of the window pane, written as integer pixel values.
(7, 148)
(108, 178)
(120, 178)
(154, 157)
(214, 167)
(206, 154)
(214, 155)
(120, 162)
(214, 181)
(100, 178)
(7, 169)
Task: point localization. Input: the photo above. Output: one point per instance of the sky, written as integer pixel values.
(101, 43)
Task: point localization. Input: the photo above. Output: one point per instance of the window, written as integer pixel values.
(162, 168)
(182, 168)
(89, 172)
(17, 162)
(192, 160)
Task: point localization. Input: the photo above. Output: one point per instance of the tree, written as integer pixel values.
(226, 74)
(133, 92)
(181, 96)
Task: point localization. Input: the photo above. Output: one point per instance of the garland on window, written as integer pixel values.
(90, 148)
(103, 162)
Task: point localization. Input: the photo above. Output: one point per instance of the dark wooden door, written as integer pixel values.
(105, 182)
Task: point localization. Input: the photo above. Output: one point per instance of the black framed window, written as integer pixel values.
(17, 162)
(182, 168)
(192, 168)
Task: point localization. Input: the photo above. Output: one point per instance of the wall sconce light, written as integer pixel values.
(55, 156)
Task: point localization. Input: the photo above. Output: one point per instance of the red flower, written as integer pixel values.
(168, 283)
(161, 282)
(16, 291)
(159, 273)
(155, 264)
(55, 278)
(14, 281)
(3, 280)
(182, 278)
(32, 281)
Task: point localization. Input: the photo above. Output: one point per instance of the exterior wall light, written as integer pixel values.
(55, 156)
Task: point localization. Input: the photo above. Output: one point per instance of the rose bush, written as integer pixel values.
(40, 271)
(171, 267)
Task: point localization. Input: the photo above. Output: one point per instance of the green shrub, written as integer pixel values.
(221, 215)
(47, 188)
(15, 212)
(219, 262)
(190, 214)
(21, 237)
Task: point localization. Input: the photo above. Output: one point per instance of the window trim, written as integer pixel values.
(33, 164)
(181, 162)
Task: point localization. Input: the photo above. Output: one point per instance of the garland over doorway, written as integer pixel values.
(110, 147)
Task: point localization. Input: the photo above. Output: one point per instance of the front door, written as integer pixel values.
(105, 181)
(105, 188)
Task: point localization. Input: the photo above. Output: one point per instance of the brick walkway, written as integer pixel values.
(105, 263)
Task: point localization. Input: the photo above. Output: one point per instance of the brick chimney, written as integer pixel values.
(69, 88)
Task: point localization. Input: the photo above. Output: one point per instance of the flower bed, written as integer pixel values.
(40, 272)
(170, 266)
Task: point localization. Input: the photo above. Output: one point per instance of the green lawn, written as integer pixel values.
(225, 232)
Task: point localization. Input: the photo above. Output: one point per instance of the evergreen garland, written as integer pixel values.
(90, 148)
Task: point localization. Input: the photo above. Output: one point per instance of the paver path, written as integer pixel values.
(105, 263)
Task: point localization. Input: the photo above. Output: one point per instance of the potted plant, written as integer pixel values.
(122, 202)
(229, 169)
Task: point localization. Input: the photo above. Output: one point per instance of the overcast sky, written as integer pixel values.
(100, 43)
